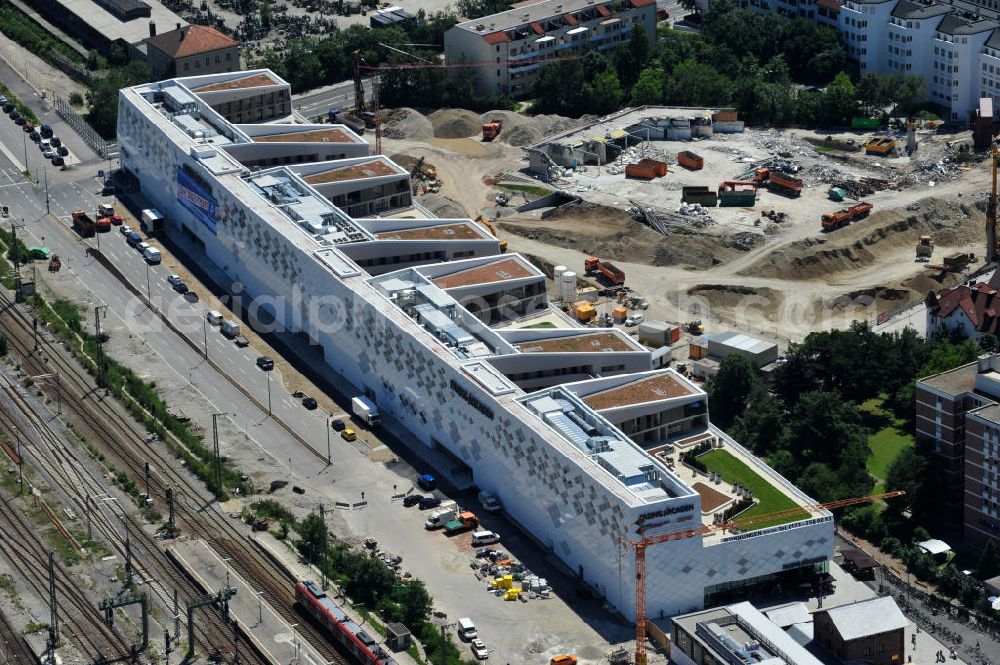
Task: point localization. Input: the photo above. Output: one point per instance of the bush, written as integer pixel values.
(76, 99)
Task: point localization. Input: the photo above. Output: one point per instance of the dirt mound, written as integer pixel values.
(455, 123)
(863, 243)
(405, 123)
(442, 206)
(614, 234)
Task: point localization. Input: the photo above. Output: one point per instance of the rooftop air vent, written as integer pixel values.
(480, 27)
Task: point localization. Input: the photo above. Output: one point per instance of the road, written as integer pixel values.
(255, 441)
(320, 101)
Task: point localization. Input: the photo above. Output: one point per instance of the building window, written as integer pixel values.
(186, 66)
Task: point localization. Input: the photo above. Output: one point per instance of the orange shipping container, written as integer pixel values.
(698, 352)
(690, 160)
(675, 334)
(584, 310)
(727, 115)
(646, 169)
(619, 313)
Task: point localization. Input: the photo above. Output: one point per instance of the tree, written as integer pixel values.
(605, 94)
(989, 561)
(103, 114)
(730, 390)
(415, 603)
(874, 93)
(824, 428)
(696, 84)
(631, 57)
(648, 89)
(313, 537)
(907, 473)
(762, 426)
(266, 15)
(840, 103)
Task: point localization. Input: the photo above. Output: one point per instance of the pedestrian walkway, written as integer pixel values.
(256, 618)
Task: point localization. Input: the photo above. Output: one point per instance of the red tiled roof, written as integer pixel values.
(496, 38)
(570, 19)
(191, 40)
(979, 303)
(537, 27)
(829, 4)
(642, 3)
(603, 11)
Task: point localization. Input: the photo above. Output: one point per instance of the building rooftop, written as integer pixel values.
(867, 618)
(743, 342)
(906, 9)
(191, 40)
(373, 168)
(954, 24)
(255, 80)
(455, 231)
(526, 14)
(650, 389)
(103, 20)
(990, 412)
(329, 135)
(585, 343)
(495, 271)
(954, 382)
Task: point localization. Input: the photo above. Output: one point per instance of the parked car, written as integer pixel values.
(310, 403)
(108, 189)
(562, 659)
(412, 500)
(63, 150)
(58, 161)
(34, 136)
(266, 363)
(8, 107)
(134, 239)
(479, 649)
(49, 154)
(3, 99)
(125, 230)
(338, 425)
(348, 435)
(181, 288)
(429, 502)
(44, 144)
(20, 120)
(427, 482)
(174, 280)
(634, 320)
(46, 131)
(28, 126)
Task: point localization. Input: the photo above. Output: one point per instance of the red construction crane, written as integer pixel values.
(641, 545)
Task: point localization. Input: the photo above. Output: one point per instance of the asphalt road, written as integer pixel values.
(319, 102)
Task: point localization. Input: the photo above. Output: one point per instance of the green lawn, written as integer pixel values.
(888, 440)
(543, 324)
(769, 498)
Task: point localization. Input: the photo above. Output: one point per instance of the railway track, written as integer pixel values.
(110, 426)
(14, 650)
(79, 618)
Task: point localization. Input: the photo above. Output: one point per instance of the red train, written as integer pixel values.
(356, 641)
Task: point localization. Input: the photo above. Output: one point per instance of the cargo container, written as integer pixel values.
(881, 146)
(725, 115)
(646, 169)
(152, 221)
(700, 195)
(690, 160)
(619, 314)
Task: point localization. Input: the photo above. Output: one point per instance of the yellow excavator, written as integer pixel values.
(489, 225)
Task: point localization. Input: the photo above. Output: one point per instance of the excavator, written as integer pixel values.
(492, 229)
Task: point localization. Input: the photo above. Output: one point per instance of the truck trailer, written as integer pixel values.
(152, 221)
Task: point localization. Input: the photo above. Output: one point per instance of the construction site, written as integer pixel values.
(774, 232)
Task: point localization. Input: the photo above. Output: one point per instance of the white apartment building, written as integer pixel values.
(505, 51)
(578, 430)
(954, 46)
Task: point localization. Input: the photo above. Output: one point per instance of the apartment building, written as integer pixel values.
(508, 49)
(579, 431)
(958, 417)
(954, 45)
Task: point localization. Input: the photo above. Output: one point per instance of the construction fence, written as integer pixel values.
(106, 149)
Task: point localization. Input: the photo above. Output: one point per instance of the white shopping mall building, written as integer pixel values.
(579, 430)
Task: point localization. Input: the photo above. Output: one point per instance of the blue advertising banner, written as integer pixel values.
(193, 196)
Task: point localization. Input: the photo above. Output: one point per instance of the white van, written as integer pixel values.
(484, 538)
(230, 329)
(213, 317)
(152, 255)
(466, 629)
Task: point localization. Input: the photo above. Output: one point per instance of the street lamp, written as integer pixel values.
(260, 607)
(149, 297)
(329, 459)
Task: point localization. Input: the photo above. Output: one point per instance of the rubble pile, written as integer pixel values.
(863, 187)
(744, 240)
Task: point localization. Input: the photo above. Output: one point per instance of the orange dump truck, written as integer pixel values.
(691, 161)
(779, 182)
(835, 220)
(614, 275)
(491, 129)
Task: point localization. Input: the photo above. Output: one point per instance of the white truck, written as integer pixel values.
(446, 513)
(365, 409)
(152, 221)
(489, 501)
